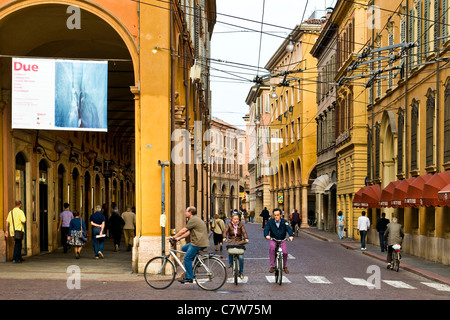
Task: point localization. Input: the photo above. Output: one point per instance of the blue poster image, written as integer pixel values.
(81, 95)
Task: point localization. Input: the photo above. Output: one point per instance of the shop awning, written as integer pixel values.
(432, 187)
(370, 197)
(444, 195)
(357, 198)
(398, 197)
(320, 183)
(386, 194)
(414, 193)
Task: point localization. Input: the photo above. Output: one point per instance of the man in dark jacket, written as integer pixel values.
(265, 215)
(381, 228)
(116, 224)
(276, 228)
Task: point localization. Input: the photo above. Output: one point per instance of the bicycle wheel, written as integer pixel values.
(159, 272)
(235, 268)
(279, 269)
(210, 273)
(397, 261)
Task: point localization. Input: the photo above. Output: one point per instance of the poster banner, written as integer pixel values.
(50, 94)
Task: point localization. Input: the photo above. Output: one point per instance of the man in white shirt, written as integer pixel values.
(363, 227)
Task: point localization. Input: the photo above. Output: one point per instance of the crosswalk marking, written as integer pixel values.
(353, 281)
(437, 286)
(231, 280)
(398, 284)
(358, 282)
(317, 279)
(271, 279)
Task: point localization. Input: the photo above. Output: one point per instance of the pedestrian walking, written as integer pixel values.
(116, 224)
(98, 229)
(265, 214)
(128, 229)
(381, 228)
(340, 224)
(15, 228)
(64, 221)
(393, 235)
(296, 219)
(77, 233)
(363, 227)
(217, 227)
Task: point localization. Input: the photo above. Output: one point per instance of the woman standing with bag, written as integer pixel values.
(237, 235)
(217, 228)
(77, 233)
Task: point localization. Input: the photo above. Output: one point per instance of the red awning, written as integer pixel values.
(357, 198)
(387, 192)
(398, 197)
(444, 195)
(432, 187)
(370, 197)
(415, 188)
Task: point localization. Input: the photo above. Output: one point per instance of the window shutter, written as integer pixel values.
(426, 26)
(419, 32)
(430, 130)
(447, 124)
(401, 129)
(414, 124)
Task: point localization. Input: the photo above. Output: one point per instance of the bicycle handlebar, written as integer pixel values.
(286, 239)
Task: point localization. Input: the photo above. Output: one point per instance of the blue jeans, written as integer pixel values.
(241, 262)
(363, 234)
(341, 230)
(98, 243)
(191, 252)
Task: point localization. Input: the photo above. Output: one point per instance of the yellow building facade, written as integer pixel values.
(350, 20)
(408, 122)
(150, 49)
(292, 126)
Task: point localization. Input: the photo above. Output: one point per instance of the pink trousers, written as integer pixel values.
(273, 245)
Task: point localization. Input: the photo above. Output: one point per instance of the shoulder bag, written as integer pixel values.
(83, 235)
(18, 235)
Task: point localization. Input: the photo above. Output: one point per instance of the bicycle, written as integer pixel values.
(396, 256)
(279, 262)
(210, 272)
(236, 251)
(296, 229)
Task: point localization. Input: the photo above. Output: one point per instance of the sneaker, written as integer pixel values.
(272, 270)
(116, 248)
(101, 254)
(285, 269)
(185, 280)
(389, 266)
(241, 276)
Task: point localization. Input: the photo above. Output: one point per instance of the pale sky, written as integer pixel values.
(232, 43)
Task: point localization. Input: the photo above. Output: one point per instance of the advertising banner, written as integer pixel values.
(50, 94)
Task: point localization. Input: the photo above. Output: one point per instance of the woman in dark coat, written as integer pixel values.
(116, 224)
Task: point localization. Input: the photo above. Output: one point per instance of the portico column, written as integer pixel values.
(304, 207)
(291, 202)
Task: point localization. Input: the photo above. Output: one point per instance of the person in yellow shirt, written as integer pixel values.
(16, 225)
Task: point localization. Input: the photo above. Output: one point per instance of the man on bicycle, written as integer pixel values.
(276, 228)
(394, 234)
(196, 228)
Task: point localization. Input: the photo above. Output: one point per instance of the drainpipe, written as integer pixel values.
(172, 119)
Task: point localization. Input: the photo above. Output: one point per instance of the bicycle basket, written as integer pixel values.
(236, 249)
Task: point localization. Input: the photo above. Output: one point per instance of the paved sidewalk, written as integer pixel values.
(428, 269)
(116, 266)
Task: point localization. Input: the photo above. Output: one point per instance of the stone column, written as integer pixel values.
(291, 203)
(304, 206)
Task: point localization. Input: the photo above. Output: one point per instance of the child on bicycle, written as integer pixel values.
(276, 228)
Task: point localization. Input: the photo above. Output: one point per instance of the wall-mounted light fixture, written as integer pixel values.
(75, 157)
(39, 149)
